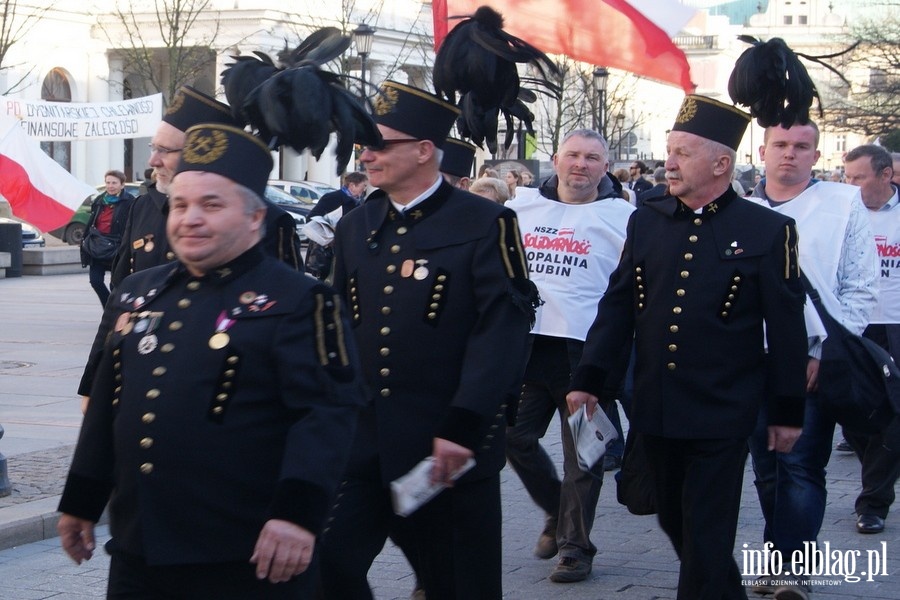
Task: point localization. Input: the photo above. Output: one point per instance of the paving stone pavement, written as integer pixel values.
(47, 323)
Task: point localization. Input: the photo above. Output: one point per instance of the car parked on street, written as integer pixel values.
(309, 191)
(73, 232)
(31, 235)
(298, 208)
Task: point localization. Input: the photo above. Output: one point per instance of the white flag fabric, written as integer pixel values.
(37, 188)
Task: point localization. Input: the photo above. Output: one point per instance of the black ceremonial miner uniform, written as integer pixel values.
(441, 335)
(441, 307)
(197, 445)
(695, 289)
(145, 245)
(710, 279)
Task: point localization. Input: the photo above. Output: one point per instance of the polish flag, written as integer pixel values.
(634, 36)
(37, 188)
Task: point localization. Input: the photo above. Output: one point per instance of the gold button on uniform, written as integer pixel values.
(679, 292)
(218, 410)
(673, 348)
(390, 269)
(685, 274)
(673, 328)
(692, 238)
(698, 221)
(442, 278)
(148, 418)
(229, 372)
(147, 468)
(221, 397)
(232, 360)
(395, 249)
(688, 256)
(175, 325)
(385, 372)
(388, 289)
(676, 310)
(193, 285)
(184, 303)
(402, 230)
(385, 393)
(385, 330)
(671, 366)
(167, 347)
(384, 351)
(385, 310)
(159, 371)
(146, 442)
(153, 394)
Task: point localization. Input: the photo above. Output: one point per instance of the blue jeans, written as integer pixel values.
(791, 487)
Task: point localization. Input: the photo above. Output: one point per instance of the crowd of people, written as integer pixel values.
(246, 423)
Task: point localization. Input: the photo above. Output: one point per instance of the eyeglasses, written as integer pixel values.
(162, 150)
(385, 143)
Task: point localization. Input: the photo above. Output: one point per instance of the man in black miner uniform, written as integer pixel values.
(701, 272)
(144, 242)
(223, 404)
(456, 164)
(440, 303)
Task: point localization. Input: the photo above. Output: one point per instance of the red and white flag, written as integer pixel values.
(38, 189)
(634, 36)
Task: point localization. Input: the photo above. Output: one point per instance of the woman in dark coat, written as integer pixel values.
(109, 212)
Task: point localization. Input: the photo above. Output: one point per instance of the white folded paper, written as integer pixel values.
(414, 489)
(591, 436)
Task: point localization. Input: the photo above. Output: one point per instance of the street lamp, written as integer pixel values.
(600, 77)
(620, 124)
(363, 36)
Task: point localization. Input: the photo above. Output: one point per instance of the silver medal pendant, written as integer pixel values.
(147, 344)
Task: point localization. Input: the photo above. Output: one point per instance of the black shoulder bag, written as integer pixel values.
(859, 384)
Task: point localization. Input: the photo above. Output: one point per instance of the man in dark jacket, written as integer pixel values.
(144, 242)
(701, 273)
(440, 306)
(223, 403)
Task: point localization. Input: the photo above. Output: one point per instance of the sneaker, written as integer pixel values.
(546, 546)
(763, 585)
(796, 590)
(570, 569)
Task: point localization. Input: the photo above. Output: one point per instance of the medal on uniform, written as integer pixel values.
(247, 297)
(421, 271)
(221, 338)
(123, 320)
(148, 322)
(406, 269)
(147, 344)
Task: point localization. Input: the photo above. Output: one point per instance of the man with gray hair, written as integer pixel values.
(226, 393)
(658, 189)
(870, 168)
(701, 272)
(574, 229)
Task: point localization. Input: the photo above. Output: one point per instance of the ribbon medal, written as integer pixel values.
(221, 338)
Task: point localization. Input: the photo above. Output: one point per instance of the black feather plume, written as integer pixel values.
(770, 80)
(477, 60)
(296, 103)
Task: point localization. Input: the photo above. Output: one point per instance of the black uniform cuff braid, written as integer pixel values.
(787, 411)
(84, 498)
(590, 379)
(461, 426)
(301, 502)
